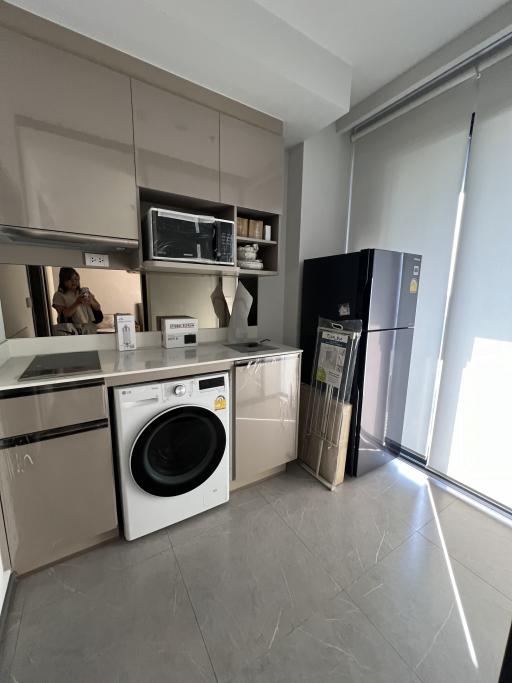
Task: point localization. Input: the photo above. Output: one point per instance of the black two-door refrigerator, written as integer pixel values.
(380, 288)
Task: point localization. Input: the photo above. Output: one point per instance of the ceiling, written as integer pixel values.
(302, 61)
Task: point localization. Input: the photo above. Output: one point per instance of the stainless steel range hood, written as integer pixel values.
(11, 234)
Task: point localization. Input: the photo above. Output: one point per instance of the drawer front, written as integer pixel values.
(57, 496)
(52, 409)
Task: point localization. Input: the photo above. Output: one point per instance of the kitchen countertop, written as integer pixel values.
(143, 360)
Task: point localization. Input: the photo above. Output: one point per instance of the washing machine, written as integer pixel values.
(173, 450)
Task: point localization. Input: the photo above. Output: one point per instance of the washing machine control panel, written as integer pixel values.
(179, 390)
(173, 390)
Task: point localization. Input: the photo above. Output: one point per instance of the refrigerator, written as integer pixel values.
(380, 288)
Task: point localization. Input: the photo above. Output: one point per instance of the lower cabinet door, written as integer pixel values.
(58, 497)
(267, 403)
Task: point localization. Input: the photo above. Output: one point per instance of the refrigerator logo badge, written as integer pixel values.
(413, 287)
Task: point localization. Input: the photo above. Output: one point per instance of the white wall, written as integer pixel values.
(318, 184)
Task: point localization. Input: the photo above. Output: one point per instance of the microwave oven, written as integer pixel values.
(175, 236)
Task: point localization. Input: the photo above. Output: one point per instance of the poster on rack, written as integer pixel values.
(331, 358)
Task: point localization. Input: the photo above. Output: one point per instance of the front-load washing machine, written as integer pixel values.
(172, 449)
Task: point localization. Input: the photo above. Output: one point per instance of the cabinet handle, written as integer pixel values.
(265, 359)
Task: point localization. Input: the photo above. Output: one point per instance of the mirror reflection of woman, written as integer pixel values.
(75, 304)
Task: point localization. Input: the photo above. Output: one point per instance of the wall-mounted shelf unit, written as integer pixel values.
(268, 250)
(254, 240)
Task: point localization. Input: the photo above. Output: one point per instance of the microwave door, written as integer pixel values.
(174, 237)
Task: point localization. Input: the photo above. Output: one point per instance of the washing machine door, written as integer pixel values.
(177, 451)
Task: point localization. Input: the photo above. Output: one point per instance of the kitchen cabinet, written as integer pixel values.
(251, 166)
(266, 417)
(66, 135)
(56, 473)
(176, 143)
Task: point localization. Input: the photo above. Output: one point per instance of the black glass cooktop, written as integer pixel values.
(61, 364)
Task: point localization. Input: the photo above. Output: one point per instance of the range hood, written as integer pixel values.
(11, 234)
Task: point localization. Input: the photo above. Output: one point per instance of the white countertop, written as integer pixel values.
(144, 360)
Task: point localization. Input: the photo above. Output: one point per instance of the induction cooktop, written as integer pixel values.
(62, 364)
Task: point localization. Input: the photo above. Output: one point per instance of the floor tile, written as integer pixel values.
(243, 502)
(81, 573)
(251, 581)
(353, 528)
(337, 644)
(136, 626)
(413, 601)
(479, 541)
(10, 634)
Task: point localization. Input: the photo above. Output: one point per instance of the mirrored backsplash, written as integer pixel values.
(39, 300)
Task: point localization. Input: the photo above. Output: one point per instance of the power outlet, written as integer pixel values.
(97, 260)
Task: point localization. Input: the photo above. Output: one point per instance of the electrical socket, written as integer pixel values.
(97, 260)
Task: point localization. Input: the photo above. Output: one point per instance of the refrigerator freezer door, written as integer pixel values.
(385, 290)
(394, 291)
(411, 271)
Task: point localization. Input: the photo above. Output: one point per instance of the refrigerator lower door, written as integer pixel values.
(383, 393)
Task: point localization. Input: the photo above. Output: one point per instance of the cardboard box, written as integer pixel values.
(313, 450)
(125, 332)
(178, 331)
(242, 227)
(256, 229)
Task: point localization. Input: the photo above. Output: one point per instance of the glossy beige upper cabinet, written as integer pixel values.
(176, 143)
(251, 166)
(66, 141)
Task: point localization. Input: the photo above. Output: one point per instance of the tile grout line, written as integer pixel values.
(469, 569)
(299, 537)
(345, 589)
(320, 560)
(192, 606)
(383, 635)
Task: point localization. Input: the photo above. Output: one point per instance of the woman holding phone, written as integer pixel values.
(75, 304)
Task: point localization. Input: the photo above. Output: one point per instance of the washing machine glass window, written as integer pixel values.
(177, 451)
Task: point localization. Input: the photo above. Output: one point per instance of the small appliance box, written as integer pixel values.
(256, 229)
(125, 332)
(242, 226)
(178, 331)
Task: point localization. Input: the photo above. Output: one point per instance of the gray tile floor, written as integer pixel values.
(390, 580)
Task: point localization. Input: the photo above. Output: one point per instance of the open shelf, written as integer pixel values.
(255, 273)
(268, 249)
(188, 268)
(254, 240)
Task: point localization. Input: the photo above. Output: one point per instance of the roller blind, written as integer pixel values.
(405, 188)
(471, 440)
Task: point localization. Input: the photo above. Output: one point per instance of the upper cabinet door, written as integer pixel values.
(176, 143)
(66, 141)
(251, 166)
